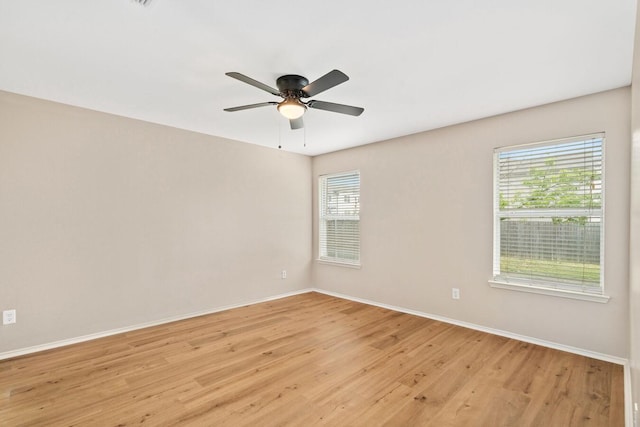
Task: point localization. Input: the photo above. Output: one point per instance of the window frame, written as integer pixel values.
(324, 259)
(541, 286)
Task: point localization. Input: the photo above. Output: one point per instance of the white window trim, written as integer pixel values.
(538, 288)
(334, 261)
(338, 263)
(533, 289)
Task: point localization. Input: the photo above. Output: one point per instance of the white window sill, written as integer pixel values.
(338, 263)
(549, 291)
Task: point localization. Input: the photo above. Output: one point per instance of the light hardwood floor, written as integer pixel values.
(309, 360)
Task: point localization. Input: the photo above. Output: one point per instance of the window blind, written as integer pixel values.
(548, 214)
(339, 224)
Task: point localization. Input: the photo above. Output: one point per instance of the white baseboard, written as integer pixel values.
(628, 406)
(628, 401)
(524, 338)
(89, 337)
(506, 334)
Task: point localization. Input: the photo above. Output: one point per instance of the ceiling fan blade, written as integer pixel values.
(336, 108)
(329, 80)
(253, 82)
(296, 123)
(246, 107)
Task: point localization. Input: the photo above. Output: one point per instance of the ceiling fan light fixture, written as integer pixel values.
(292, 108)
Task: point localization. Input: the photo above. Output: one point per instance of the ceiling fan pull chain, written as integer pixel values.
(279, 125)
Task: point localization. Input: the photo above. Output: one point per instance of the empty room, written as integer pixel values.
(320, 214)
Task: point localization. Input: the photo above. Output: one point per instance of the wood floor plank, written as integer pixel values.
(311, 360)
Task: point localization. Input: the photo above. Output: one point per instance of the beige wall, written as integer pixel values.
(426, 224)
(634, 291)
(108, 222)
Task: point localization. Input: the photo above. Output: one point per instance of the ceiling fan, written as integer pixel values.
(293, 88)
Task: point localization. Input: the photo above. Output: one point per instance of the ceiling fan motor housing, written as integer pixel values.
(290, 85)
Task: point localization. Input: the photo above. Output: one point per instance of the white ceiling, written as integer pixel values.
(414, 65)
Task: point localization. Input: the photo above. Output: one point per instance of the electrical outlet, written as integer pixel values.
(284, 274)
(455, 293)
(8, 317)
(635, 414)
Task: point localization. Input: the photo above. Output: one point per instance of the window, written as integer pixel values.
(339, 224)
(548, 222)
